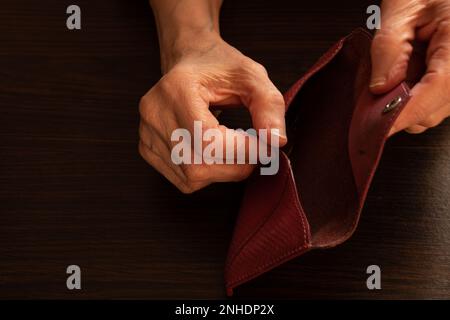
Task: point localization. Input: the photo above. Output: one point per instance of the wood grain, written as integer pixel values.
(73, 189)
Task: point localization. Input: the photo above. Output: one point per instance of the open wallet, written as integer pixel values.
(336, 130)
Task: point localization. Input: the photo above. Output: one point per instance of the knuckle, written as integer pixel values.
(382, 37)
(140, 148)
(276, 123)
(254, 67)
(259, 68)
(276, 98)
(146, 138)
(416, 129)
(195, 173)
(417, 114)
(387, 33)
(167, 82)
(179, 78)
(144, 109)
(142, 133)
(445, 92)
(149, 112)
(384, 33)
(143, 151)
(432, 121)
(186, 189)
(191, 187)
(142, 104)
(242, 173)
(387, 38)
(444, 27)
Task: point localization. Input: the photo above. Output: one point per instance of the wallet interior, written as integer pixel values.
(336, 133)
(318, 122)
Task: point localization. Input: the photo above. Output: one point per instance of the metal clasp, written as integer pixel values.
(393, 104)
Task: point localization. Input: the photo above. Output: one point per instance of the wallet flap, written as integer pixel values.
(271, 227)
(371, 122)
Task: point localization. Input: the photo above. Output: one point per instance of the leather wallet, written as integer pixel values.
(336, 130)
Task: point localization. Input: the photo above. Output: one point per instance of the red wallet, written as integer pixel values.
(336, 130)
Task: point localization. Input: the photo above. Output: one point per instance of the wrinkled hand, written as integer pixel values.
(401, 22)
(218, 74)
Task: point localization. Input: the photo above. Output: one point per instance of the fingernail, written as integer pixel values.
(392, 131)
(282, 132)
(377, 82)
(281, 136)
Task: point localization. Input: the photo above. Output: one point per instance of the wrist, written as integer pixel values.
(184, 43)
(185, 27)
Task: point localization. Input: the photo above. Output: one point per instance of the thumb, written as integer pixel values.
(391, 46)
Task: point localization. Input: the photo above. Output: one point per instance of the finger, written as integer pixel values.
(194, 177)
(203, 174)
(201, 123)
(266, 105)
(197, 118)
(235, 172)
(156, 118)
(391, 47)
(224, 154)
(416, 129)
(161, 166)
(154, 144)
(230, 146)
(251, 86)
(438, 53)
(428, 105)
(435, 119)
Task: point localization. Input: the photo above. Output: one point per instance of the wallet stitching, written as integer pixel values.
(298, 205)
(259, 226)
(263, 268)
(289, 184)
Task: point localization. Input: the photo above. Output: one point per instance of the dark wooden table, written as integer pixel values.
(73, 189)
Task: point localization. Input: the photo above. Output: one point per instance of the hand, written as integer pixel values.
(401, 22)
(213, 74)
